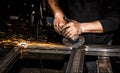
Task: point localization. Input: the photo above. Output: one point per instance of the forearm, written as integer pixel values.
(54, 5)
(91, 27)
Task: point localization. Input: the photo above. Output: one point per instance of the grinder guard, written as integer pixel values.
(74, 43)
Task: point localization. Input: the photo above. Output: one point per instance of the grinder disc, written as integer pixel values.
(74, 43)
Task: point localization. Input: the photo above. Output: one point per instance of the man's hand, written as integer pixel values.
(58, 15)
(59, 22)
(74, 28)
(71, 29)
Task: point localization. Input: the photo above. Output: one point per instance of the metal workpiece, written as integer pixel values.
(102, 50)
(76, 61)
(37, 47)
(104, 65)
(56, 49)
(8, 61)
(47, 51)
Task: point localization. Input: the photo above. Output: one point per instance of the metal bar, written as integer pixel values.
(104, 65)
(55, 47)
(93, 50)
(102, 50)
(76, 61)
(8, 60)
(109, 54)
(52, 50)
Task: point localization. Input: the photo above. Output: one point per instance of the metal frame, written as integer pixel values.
(76, 60)
(102, 51)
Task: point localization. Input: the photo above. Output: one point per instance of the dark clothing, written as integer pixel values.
(106, 11)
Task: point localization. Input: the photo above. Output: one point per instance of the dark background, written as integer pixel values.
(24, 17)
(23, 10)
(24, 28)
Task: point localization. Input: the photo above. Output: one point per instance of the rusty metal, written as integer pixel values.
(104, 65)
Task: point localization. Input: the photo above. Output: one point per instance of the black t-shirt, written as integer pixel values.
(106, 11)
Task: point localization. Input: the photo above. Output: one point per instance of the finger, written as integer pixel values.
(64, 30)
(70, 35)
(65, 26)
(68, 30)
(56, 27)
(59, 26)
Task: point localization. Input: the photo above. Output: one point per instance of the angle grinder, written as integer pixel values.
(74, 42)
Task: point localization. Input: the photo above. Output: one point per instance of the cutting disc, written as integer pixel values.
(74, 43)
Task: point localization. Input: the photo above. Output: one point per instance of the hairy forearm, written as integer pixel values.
(91, 27)
(55, 7)
(87, 27)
